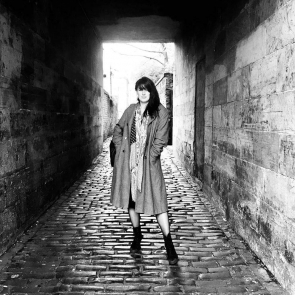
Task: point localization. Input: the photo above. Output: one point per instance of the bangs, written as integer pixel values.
(143, 86)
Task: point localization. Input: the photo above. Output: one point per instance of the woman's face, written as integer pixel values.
(143, 95)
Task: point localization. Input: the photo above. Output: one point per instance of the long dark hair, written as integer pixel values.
(154, 101)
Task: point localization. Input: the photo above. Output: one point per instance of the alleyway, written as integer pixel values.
(81, 246)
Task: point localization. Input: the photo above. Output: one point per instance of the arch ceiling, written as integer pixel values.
(147, 21)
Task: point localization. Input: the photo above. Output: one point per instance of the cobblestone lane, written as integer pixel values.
(81, 246)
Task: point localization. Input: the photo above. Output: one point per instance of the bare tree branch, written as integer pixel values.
(139, 56)
(143, 49)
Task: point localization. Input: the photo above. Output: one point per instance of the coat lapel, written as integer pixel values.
(151, 119)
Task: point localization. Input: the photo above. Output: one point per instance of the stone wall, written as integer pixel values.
(109, 112)
(165, 90)
(50, 96)
(249, 123)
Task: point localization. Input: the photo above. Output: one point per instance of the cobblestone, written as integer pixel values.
(80, 246)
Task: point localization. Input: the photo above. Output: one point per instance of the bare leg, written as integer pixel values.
(163, 221)
(135, 217)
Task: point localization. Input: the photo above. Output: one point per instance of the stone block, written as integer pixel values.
(279, 193)
(13, 155)
(208, 117)
(223, 163)
(9, 220)
(280, 28)
(17, 185)
(54, 143)
(10, 62)
(286, 69)
(208, 136)
(263, 76)
(249, 177)
(266, 150)
(33, 98)
(215, 182)
(232, 144)
(9, 98)
(220, 92)
(20, 123)
(238, 85)
(4, 124)
(3, 188)
(209, 96)
(228, 115)
(208, 154)
(37, 149)
(282, 112)
(217, 116)
(207, 174)
(220, 137)
(254, 114)
(251, 48)
(245, 207)
(220, 70)
(287, 155)
(279, 230)
(238, 115)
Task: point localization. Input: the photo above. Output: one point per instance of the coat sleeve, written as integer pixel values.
(118, 130)
(161, 136)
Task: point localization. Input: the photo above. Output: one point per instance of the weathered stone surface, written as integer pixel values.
(252, 48)
(238, 85)
(263, 76)
(249, 154)
(287, 155)
(280, 28)
(220, 92)
(208, 104)
(286, 68)
(281, 195)
(48, 116)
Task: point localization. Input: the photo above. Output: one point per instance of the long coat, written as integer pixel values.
(153, 197)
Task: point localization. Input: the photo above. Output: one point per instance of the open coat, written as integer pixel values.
(153, 197)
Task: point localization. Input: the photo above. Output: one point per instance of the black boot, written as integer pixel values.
(135, 246)
(171, 253)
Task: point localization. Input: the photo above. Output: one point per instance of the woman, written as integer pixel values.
(138, 183)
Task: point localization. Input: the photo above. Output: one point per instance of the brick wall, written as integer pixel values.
(50, 98)
(109, 115)
(249, 110)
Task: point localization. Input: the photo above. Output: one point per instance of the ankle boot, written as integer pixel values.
(171, 253)
(135, 246)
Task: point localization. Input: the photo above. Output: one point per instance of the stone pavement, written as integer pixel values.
(81, 245)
